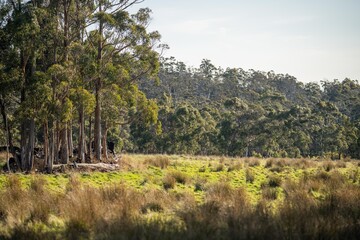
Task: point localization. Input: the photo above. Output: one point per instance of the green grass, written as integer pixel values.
(144, 175)
(170, 189)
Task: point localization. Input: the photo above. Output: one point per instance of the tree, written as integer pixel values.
(122, 41)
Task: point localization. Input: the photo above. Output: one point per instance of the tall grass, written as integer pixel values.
(320, 204)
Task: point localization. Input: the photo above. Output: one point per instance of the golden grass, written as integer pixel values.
(304, 199)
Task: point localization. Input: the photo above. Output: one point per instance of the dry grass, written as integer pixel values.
(319, 205)
(218, 168)
(235, 166)
(269, 193)
(161, 161)
(252, 162)
(249, 175)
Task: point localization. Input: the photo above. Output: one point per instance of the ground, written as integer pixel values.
(187, 196)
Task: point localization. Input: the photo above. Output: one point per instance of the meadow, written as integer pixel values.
(187, 197)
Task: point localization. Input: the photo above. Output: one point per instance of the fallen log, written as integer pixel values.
(82, 167)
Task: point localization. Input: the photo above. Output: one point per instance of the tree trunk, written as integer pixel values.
(90, 142)
(70, 140)
(104, 142)
(64, 154)
(57, 142)
(46, 143)
(7, 131)
(27, 144)
(81, 143)
(52, 149)
(97, 127)
(27, 133)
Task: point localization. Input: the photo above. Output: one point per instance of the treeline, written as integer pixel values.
(76, 74)
(68, 72)
(210, 110)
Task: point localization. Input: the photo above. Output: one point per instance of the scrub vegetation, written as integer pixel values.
(186, 197)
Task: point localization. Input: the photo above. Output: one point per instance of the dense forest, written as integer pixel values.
(210, 110)
(67, 66)
(76, 75)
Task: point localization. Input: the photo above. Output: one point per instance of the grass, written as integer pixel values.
(186, 197)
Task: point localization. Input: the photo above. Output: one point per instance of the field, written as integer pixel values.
(187, 197)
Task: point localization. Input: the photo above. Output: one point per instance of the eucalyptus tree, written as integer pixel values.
(124, 48)
(21, 26)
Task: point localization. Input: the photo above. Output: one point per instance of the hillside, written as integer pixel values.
(210, 110)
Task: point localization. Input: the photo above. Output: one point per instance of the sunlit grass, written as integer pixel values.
(178, 194)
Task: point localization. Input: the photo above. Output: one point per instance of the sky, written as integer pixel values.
(312, 40)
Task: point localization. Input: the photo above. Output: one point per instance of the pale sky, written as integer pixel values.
(312, 40)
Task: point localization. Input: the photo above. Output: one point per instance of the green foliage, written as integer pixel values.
(254, 113)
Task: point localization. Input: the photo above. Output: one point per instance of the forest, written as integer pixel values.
(76, 76)
(67, 66)
(213, 111)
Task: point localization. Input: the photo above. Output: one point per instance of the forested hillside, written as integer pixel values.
(210, 110)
